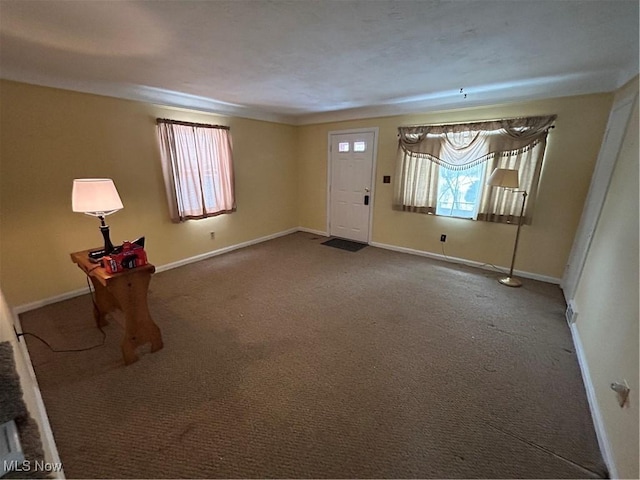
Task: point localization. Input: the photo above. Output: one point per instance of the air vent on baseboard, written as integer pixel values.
(571, 314)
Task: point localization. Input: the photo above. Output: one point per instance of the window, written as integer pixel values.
(459, 191)
(197, 164)
(442, 168)
(359, 146)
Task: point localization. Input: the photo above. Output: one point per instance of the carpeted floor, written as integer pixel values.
(289, 359)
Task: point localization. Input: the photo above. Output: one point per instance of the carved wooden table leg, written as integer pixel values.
(126, 291)
(131, 293)
(104, 303)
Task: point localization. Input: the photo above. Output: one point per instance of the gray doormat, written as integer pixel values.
(344, 244)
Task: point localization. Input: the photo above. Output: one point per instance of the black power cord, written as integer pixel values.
(104, 335)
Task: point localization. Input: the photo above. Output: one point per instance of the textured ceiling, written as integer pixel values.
(310, 61)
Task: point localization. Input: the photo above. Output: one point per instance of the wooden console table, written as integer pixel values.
(126, 291)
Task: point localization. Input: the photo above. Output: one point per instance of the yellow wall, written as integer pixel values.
(48, 137)
(544, 246)
(607, 302)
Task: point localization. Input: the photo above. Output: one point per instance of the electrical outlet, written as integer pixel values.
(443, 238)
(212, 235)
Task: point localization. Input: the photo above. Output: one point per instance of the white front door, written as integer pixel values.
(350, 190)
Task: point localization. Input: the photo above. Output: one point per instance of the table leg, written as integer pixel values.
(104, 303)
(131, 294)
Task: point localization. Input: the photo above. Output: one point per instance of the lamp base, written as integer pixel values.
(510, 282)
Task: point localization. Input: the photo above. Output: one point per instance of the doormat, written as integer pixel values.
(344, 244)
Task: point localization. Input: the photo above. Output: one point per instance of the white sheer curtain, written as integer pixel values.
(197, 164)
(502, 205)
(512, 143)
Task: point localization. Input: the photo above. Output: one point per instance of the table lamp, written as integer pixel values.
(97, 197)
(507, 178)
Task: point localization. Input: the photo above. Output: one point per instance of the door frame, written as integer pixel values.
(375, 131)
(602, 173)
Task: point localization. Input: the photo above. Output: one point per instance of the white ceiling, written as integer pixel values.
(309, 61)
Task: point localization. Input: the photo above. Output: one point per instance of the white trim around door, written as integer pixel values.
(375, 132)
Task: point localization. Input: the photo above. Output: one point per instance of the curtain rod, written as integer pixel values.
(191, 124)
(481, 121)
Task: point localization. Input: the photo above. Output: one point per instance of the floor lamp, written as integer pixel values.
(507, 178)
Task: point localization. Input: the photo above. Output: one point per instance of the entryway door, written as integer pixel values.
(351, 168)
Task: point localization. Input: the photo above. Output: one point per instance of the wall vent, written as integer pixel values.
(570, 314)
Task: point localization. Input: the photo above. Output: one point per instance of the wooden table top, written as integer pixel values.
(97, 271)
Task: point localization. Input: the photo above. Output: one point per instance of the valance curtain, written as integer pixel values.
(197, 164)
(517, 143)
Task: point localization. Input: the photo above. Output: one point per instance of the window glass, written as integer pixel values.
(459, 191)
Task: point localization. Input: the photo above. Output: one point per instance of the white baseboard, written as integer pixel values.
(598, 423)
(185, 261)
(470, 263)
(48, 301)
(315, 232)
(220, 251)
(46, 434)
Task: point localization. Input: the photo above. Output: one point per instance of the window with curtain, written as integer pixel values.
(442, 169)
(197, 164)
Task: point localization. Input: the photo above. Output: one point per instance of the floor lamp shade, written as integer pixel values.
(508, 178)
(97, 197)
(504, 177)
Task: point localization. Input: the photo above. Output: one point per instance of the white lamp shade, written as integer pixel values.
(504, 177)
(95, 196)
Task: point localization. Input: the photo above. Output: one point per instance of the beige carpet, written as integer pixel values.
(292, 359)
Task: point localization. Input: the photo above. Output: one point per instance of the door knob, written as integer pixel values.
(366, 189)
